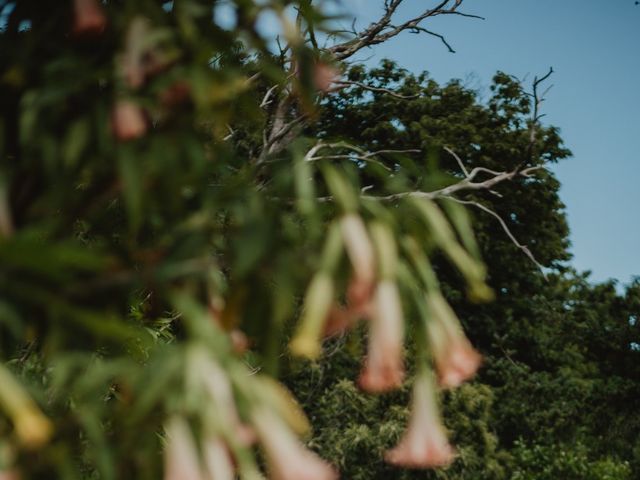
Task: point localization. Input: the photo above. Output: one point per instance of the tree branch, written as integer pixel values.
(382, 30)
(347, 83)
(504, 225)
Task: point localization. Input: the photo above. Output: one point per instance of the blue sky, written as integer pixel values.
(594, 48)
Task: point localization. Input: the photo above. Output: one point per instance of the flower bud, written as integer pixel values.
(89, 18)
(317, 303)
(127, 121)
(324, 75)
(180, 453)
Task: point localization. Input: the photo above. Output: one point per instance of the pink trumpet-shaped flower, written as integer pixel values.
(359, 248)
(9, 475)
(287, 458)
(133, 59)
(424, 444)
(455, 358)
(89, 17)
(218, 460)
(219, 388)
(339, 320)
(128, 121)
(180, 454)
(384, 365)
(324, 75)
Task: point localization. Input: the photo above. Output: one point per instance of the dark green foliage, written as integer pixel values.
(557, 397)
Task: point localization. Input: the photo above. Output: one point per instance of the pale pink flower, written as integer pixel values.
(218, 386)
(384, 364)
(287, 458)
(218, 460)
(180, 453)
(317, 303)
(455, 359)
(9, 475)
(324, 75)
(359, 249)
(425, 443)
(359, 296)
(339, 319)
(127, 121)
(89, 17)
(132, 61)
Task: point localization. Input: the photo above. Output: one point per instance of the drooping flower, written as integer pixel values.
(175, 94)
(9, 475)
(218, 386)
(455, 358)
(384, 364)
(324, 75)
(180, 454)
(317, 303)
(217, 459)
(89, 17)
(127, 121)
(287, 458)
(358, 246)
(339, 320)
(425, 443)
(132, 62)
(32, 427)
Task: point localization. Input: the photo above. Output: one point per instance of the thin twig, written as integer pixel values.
(374, 89)
(504, 225)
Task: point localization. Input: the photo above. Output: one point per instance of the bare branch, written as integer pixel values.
(504, 225)
(382, 29)
(460, 163)
(418, 29)
(265, 99)
(534, 122)
(360, 154)
(347, 83)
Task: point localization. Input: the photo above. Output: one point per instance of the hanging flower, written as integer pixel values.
(317, 303)
(177, 93)
(324, 75)
(384, 365)
(32, 427)
(218, 386)
(180, 454)
(359, 247)
(339, 320)
(128, 121)
(424, 444)
(218, 460)
(132, 63)
(287, 458)
(89, 17)
(456, 360)
(9, 475)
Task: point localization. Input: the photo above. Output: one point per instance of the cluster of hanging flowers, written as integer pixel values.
(373, 295)
(140, 61)
(220, 451)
